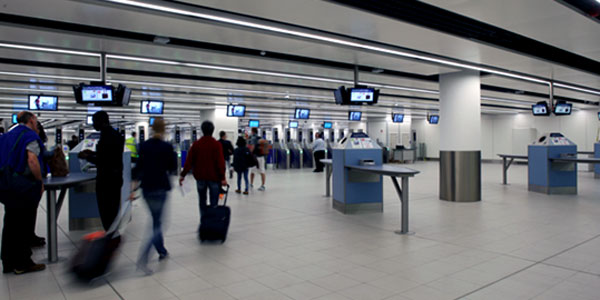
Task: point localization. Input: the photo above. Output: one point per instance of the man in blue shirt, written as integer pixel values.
(21, 156)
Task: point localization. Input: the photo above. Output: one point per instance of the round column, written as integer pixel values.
(460, 136)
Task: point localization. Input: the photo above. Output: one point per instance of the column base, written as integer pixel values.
(460, 176)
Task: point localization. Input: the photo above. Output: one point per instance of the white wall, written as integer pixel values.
(219, 117)
(497, 131)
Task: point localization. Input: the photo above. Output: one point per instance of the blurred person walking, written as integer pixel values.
(21, 187)
(108, 159)
(227, 151)
(157, 160)
(132, 146)
(241, 162)
(206, 159)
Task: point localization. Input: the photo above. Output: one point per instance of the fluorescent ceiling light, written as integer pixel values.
(48, 49)
(575, 88)
(32, 75)
(36, 90)
(326, 39)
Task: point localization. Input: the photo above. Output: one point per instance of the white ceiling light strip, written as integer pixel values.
(575, 88)
(33, 75)
(48, 49)
(325, 39)
(36, 90)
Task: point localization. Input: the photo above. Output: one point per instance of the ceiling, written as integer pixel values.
(208, 64)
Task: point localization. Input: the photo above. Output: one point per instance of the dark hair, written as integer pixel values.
(24, 117)
(222, 134)
(241, 142)
(133, 134)
(207, 128)
(254, 130)
(101, 118)
(74, 137)
(1, 129)
(42, 132)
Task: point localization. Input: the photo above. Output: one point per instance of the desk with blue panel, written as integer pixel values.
(83, 208)
(550, 176)
(355, 191)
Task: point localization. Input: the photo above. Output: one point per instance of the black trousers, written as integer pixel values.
(108, 196)
(20, 210)
(318, 156)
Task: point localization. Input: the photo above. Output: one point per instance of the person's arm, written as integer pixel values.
(221, 165)
(34, 166)
(189, 162)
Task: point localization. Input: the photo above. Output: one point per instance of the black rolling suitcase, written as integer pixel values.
(214, 223)
(97, 250)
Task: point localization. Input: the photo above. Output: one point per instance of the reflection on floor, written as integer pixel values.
(288, 243)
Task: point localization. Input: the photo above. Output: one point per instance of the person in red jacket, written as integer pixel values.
(206, 159)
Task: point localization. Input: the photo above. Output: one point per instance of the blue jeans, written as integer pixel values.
(156, 203)
(213, 189)
(239, 179)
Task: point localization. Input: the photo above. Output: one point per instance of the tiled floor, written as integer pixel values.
(288, 243)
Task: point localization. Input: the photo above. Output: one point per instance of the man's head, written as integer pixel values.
(28, 119)
(207, 128)
(133, 134)
(158, 127)
(74, 138)
(100, 120)
(222, 135)
(317, 135)
(254, 130)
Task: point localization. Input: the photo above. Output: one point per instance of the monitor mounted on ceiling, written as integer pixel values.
(41, 102)
(354, 115)
(397, 118)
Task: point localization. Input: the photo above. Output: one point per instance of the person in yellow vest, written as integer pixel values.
(131, 145)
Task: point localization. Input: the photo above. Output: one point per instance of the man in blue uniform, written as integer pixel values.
(21, 157)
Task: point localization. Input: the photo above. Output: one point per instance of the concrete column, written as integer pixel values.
(460, 136)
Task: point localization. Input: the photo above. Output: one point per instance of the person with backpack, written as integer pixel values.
(258, 148)
(227, 151)
(242, 161)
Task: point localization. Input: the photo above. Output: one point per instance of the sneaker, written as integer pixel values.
(261, 188)
(144, 269)
(163, 256)
(32, 268)
(245, 192)
(251, 186)
(238, 191)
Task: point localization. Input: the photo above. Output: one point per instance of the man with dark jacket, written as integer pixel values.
(206, 159)
(21, 156)
(227, 151)
(108, 159)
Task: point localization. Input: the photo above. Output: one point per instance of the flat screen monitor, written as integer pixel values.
(327, 125)
(293, 124)
(540, 109)
(96, 93)
(354, 115)
(254, 123)
(151, 121)
(154, 107)
(236, 110)
(563, 109)
(362, 95)
(90, 120)
(15, 121)
(397, 118)
(39, 102)
(598, 116)
(433, 119)
(302, 113)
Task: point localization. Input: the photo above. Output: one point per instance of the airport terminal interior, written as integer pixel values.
(461, 145)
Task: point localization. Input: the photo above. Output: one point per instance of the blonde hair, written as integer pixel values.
(159, 126)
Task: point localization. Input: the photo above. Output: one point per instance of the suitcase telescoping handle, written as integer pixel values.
(226, 189)
(123, 211)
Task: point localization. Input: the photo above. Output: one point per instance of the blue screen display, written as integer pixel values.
(327, 125)
(253, 123)
(354, 115)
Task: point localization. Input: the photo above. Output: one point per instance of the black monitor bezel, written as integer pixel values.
(350, 114)
(227, 112)
(41, 95)
(162, 111)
